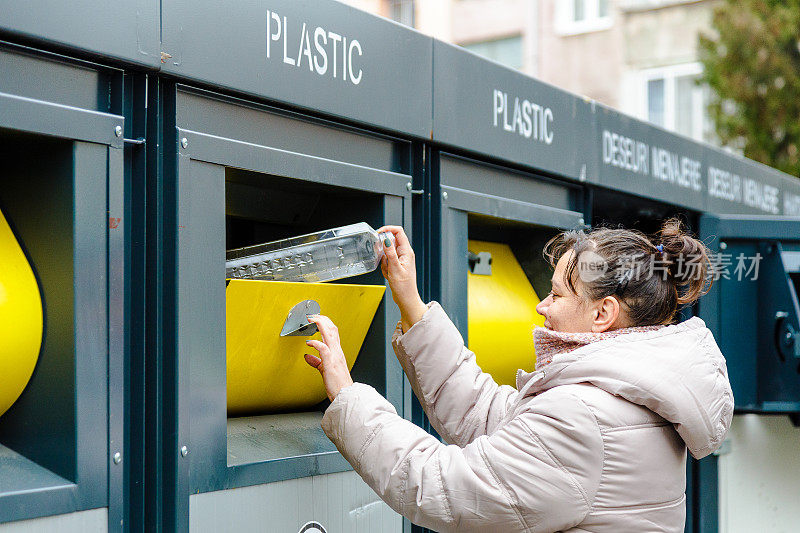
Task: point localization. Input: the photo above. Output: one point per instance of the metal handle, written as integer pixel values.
(296, 324)
(787, 339)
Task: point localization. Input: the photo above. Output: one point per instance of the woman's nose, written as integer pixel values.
(542, 307)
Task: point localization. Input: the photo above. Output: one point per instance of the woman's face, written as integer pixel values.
(562, 309)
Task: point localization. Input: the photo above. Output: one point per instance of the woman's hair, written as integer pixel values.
(627, 264)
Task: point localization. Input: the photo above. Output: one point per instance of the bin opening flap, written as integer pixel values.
(267, 372)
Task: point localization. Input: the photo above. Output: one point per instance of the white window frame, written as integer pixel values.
(565, 23)
(407, 4)
(669, 74)
(515, 36)
(647, 5)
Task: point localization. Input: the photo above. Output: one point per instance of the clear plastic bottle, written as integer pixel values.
(322, 256)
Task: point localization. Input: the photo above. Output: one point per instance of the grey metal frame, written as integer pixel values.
(126, 31)
(740, 345)
(395, 61)
(724, 226)
(457, 203)
(99, 315)
(202, 415)
(749, 234)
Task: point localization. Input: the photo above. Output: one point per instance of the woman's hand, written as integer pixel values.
(331, 363)
(399, 269)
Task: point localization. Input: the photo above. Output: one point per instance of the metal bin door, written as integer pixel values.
(752, 307)
(62, 191)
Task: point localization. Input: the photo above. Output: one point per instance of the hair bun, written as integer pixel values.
(687, 259)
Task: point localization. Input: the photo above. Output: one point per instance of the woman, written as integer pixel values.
(594, 439)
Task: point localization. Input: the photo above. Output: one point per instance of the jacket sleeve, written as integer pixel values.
(539, 472)
(461, 401)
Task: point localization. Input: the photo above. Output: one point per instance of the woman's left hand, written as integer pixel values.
(331, 363)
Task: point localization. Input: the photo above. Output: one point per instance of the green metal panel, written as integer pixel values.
(763, 378)
(200, 270)
(28, 115)
(288, 164)
(39, 75)
(60, 422)
(231, 118)
(61, 163)
(345, 173)
(648, 161)
(339, 502)
(503, 114)
(91, 321)
(95, 520)
(121, 30)
(453, 259)
(315, 54)
(499, 182)
(516, 199)
(127, 278)
(484, 107)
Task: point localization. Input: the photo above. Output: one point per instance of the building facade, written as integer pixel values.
(638, 56)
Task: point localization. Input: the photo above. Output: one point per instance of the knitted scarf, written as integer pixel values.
(549, 343)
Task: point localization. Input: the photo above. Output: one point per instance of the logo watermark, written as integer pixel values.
(591, 266)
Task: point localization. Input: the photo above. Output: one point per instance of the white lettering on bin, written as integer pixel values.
(625, 153)
(525, 118)
(791, 204)
(340, 50)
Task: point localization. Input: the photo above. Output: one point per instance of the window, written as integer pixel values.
(402, 11)
(582, 16)
(507, 51)
(672, 99)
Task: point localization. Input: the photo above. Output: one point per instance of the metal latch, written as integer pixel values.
(787, 339)
(480, 263)
(297, 325)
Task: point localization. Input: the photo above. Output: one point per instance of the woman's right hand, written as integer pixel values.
(399, 269)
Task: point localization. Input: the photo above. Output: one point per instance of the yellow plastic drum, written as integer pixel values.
(21, 320)
(267, 372)
(502, 313)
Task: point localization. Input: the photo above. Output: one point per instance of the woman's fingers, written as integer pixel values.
(331, 363)
(328, 330)
(385, 267)
(400, 255)
(392, 229)
(321, 347)
(391, 256)
(400, 237)
(313, 360)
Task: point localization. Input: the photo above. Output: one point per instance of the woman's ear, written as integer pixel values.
(605, 316)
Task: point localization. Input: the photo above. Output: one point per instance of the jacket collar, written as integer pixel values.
(546, 374)
(677, 371)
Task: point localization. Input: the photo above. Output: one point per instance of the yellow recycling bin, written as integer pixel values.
(502, 313)
(267, 372)
(21, 318)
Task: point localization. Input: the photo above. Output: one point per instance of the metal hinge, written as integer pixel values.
(480, 263)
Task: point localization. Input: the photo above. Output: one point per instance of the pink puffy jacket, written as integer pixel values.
(595, 441)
